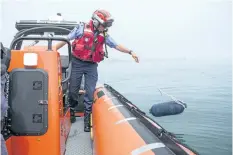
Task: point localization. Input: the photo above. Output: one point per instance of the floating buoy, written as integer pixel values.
(167, 108)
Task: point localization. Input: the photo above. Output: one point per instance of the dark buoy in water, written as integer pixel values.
(167, 108)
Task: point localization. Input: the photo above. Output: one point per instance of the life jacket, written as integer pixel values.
(89, 47)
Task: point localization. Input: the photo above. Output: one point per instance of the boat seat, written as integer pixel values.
(65, 73)
(64, 64)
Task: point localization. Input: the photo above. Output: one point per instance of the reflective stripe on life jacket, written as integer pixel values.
(89, 47)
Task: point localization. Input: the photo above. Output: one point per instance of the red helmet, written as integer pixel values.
(102, 17)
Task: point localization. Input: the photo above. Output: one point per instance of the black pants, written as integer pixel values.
(89, 70)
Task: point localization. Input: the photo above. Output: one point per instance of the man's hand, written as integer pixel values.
(125, 50)
(135, 57)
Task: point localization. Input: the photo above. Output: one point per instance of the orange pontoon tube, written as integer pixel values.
(38, 120)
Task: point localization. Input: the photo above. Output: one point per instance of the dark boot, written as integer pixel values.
(87, 122)
(72, 104)
(72, 115)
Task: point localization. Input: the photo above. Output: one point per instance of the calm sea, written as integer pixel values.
(206, 87)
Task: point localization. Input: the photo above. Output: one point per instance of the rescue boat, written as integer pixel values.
(38, 120)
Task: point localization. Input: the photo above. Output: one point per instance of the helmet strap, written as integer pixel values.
(95, 23)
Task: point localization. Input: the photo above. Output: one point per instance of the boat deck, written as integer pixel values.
(79, 142)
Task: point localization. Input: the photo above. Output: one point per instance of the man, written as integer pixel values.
(4, 105)
(88, 51)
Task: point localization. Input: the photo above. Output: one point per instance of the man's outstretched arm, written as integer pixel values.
(111, 43)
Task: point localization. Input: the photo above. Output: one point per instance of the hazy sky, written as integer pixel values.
(152, 28)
